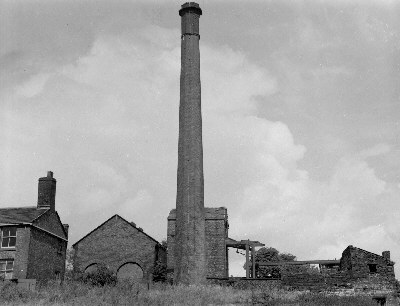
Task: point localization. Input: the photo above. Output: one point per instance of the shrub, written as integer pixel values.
(101, 277)
(160, 272)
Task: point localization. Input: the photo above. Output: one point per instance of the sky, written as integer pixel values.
(300, 105)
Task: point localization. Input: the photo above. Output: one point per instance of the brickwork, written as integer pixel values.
(115, 243)
(47, 255)
(19, 253)
(216, 233)
(50, 221)
(41, 241)
(190, 254)
(47, 191)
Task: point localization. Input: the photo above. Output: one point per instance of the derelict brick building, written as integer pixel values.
(216, 235)
(33, 239)
(122, 247)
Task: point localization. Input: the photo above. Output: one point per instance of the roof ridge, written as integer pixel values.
(21, 207)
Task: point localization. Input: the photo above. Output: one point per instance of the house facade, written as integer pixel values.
(121, 246)
(33, 240)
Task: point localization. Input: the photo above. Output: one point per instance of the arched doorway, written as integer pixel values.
(91, 268)
(131, 271)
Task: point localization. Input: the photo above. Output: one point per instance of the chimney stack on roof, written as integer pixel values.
(47, 192)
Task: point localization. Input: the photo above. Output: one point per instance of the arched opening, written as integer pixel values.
(131, 271)
(91, 268)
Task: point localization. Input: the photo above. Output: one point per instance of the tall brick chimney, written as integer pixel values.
(47, 191)
(190, 254)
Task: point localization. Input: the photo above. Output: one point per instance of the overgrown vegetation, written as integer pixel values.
(127, 293)
(269, 254)
(102, 276)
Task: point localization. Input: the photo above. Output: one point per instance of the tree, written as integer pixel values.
(271, 255)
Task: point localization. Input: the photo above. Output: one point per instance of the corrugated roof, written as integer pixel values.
(16, 215)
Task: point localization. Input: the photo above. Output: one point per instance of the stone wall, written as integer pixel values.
(360, 264)
(247, 284)
(216, 223)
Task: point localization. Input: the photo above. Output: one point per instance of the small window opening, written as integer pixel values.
(6, 268)
(59, 249)
(372, 268)
(9, 237)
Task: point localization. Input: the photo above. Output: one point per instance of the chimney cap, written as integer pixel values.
(191, 7)
(48, 177)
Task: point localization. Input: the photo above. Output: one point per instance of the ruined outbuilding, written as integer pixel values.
(122, 247)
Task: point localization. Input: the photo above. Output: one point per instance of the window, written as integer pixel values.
(6, 268)
(372, 268)
(8, 237)
(59, 249)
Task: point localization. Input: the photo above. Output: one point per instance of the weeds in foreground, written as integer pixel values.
(79, 293)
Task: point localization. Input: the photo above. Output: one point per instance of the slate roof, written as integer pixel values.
(16, 215)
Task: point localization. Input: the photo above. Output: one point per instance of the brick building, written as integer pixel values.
(122, 247)
(33, 239)
(216, 233)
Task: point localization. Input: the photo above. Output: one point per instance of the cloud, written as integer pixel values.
(107, 125)
(34, 85)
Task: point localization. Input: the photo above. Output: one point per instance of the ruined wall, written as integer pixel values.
(366, 264)
(216, 222)
(354, 275)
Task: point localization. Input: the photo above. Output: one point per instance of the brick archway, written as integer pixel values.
(131, 271)
(91, 267)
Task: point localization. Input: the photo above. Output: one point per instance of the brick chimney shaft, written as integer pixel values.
(190, 254)
(47, 191)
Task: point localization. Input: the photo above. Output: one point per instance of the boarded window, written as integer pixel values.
(8, 237)
(6, 268)
(130, 271)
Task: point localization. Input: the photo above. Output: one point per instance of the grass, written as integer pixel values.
(77, 293)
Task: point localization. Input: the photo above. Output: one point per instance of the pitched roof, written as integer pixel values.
(16, 215)
(117, 216)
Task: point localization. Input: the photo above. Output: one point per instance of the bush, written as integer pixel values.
(160, 272)
(101, 277)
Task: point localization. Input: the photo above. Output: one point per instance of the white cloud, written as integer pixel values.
(34, 86)
(113, 129)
